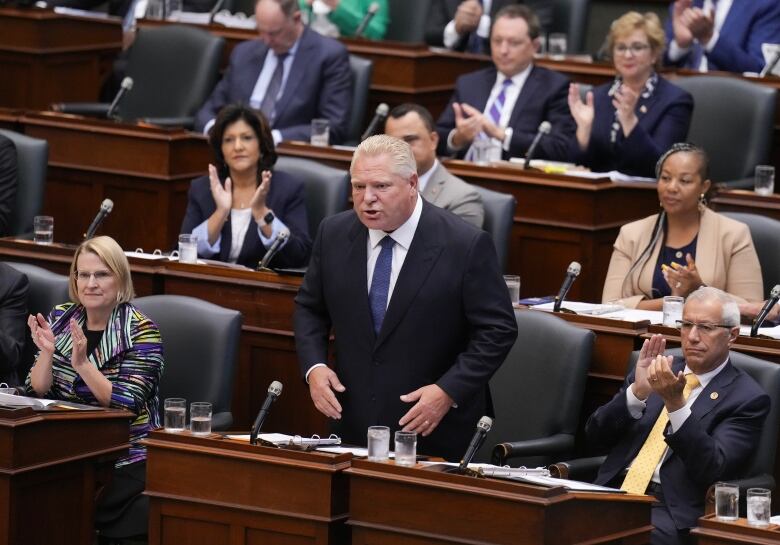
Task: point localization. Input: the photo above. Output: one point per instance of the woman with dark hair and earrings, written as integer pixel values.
(685, 246)
(239, 210)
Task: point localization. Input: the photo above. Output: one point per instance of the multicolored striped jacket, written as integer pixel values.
(130, 355)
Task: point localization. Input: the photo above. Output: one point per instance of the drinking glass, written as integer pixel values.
(764, 180)
(200, 418)
(726, 501)
(188, 248)
(556, 45)
(320, 132)
(378, 443)
(513, 285)
(672, 310)
(405, 448)
(175, 414)
(759, 503)
(43, 229)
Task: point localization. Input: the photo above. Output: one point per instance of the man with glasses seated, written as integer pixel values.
(679, 425)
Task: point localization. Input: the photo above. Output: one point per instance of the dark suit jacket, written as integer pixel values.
(8, 182)
(285, 198)
(441, 12)
(543, 97)
(449, 322)
(13, 322)
(319, 86)
(749, 24)
(715, 442)
(663, 120)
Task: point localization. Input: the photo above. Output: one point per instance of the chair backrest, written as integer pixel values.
(570, 17)
(246, 7)
(499, 216)
(767, 375)
(361, 82)
(47, 290)
(765, 233)
(327, 188)
(200, 348)
(32, 157)
(538, 390)
(737, 136)
(174, 68)
(407, 20)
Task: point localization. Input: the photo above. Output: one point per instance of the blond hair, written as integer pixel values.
(648, 22)
(400, 154)
(113, 257)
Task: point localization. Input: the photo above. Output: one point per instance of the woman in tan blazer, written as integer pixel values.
(684, 247)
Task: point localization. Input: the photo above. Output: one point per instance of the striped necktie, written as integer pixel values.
(641, 471)
(274, 86)
(494, 112)
(380, 282)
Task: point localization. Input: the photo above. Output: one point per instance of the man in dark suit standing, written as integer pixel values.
(292, 74)
(682, 425)
(508, 101)
(13, 322)
(420, 312)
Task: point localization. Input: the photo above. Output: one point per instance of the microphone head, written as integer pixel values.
(775, 293)
(485, 423)
(574, 268)
(275, 388)
(284, 234)
(545, 127)
(127, 83)
(373, 8)
(382, 109)
(107, 205)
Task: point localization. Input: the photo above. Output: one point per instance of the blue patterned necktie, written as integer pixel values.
(380, 282)
(274, 86)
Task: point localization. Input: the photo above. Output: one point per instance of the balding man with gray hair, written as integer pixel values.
(421, 314)
(680, 425)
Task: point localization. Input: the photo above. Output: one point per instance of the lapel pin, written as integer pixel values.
(643, 109)
(714, 395)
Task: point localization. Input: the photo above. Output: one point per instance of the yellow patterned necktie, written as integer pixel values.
(640, 472)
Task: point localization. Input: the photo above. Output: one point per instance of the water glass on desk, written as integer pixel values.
(764, 180)
(726, 501)
(556, 45)
(673, 307)
(759, 503)
(378, 443)
(320, 132)
(175, 414)
(200, 418)
(513, 285)
(188, 248)
(43, 229)
(405, 448)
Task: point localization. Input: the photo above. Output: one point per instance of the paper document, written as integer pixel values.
(282, 439)
(582, 308)
(773, 332)
(578, 486)
(10, 400)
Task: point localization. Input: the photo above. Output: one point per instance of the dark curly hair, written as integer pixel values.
(255, 119)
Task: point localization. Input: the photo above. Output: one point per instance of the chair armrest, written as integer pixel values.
(758, 481)
(186, 122)
(580, 469)
(221, 421)
(545, 446)
(91, 109)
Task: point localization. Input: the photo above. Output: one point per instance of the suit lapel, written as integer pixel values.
(298, 69)
(481, 91)
(422, 255)
(707, 400)
(529, 89)
(252, 71)
(435, 185)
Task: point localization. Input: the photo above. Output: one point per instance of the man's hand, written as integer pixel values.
(682, 34)
(701, 24)
(467, 16)
(323, 381)
(432, 403)
(467, 126)
(665, 383)
(651, 349)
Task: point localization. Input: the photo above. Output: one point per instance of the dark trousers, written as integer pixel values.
(122, 510)
(664, 530)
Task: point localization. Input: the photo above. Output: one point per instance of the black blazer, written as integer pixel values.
(285, 198)
(13, 322)
(715, 443)
(449, 322)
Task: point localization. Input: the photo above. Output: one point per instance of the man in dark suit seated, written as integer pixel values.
(292, 74)
(681, 425)
(508, 101)
(420, 312)
(413, 124)
(13, 322)
(725, 35)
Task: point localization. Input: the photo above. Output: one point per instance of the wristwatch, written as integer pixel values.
(268, 219)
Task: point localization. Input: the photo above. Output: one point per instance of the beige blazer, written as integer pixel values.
(725, 258)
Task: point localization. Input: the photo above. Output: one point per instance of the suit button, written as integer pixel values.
(373, 398)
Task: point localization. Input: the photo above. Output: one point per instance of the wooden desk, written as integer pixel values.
(46, 57)
(221, 492)
(742, 200)
(49, 468)
(391, 504)
(711, 531)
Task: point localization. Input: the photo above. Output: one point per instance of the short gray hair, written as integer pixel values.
(400, 153)
(730, 312)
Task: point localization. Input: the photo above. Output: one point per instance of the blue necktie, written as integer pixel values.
(380, 282)
(272, 91)
(495, 111)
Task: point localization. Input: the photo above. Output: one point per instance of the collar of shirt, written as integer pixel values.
(404, 234)
(512, 92)
(422, 179)
(705, 378)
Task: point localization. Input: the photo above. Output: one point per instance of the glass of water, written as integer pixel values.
(513, 285)
(764, 180)
(556, 45)
(43, 229)
(759, 502)
(200, 418)
(672, 310)
(726, 501)
(320, 132)
(175, 414)
(405, 448)
(188, 248)
(378, 443)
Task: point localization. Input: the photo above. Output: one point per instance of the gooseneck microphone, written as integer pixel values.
(483, 427)
(372, 10)
(571, 275)
(774, 296)
(770, 65)
(274, 391)
(105, 209)
(215, 10)
(125, 87)
(274, 249)
(379, 117)
(544, 128)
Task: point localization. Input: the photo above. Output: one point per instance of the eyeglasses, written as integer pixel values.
(635, 49)
(685, 326)
(99, 276)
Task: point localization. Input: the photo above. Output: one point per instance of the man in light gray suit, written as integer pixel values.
(414, 124)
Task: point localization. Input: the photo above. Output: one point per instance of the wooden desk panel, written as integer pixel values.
(741, 200)
(711, 531)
